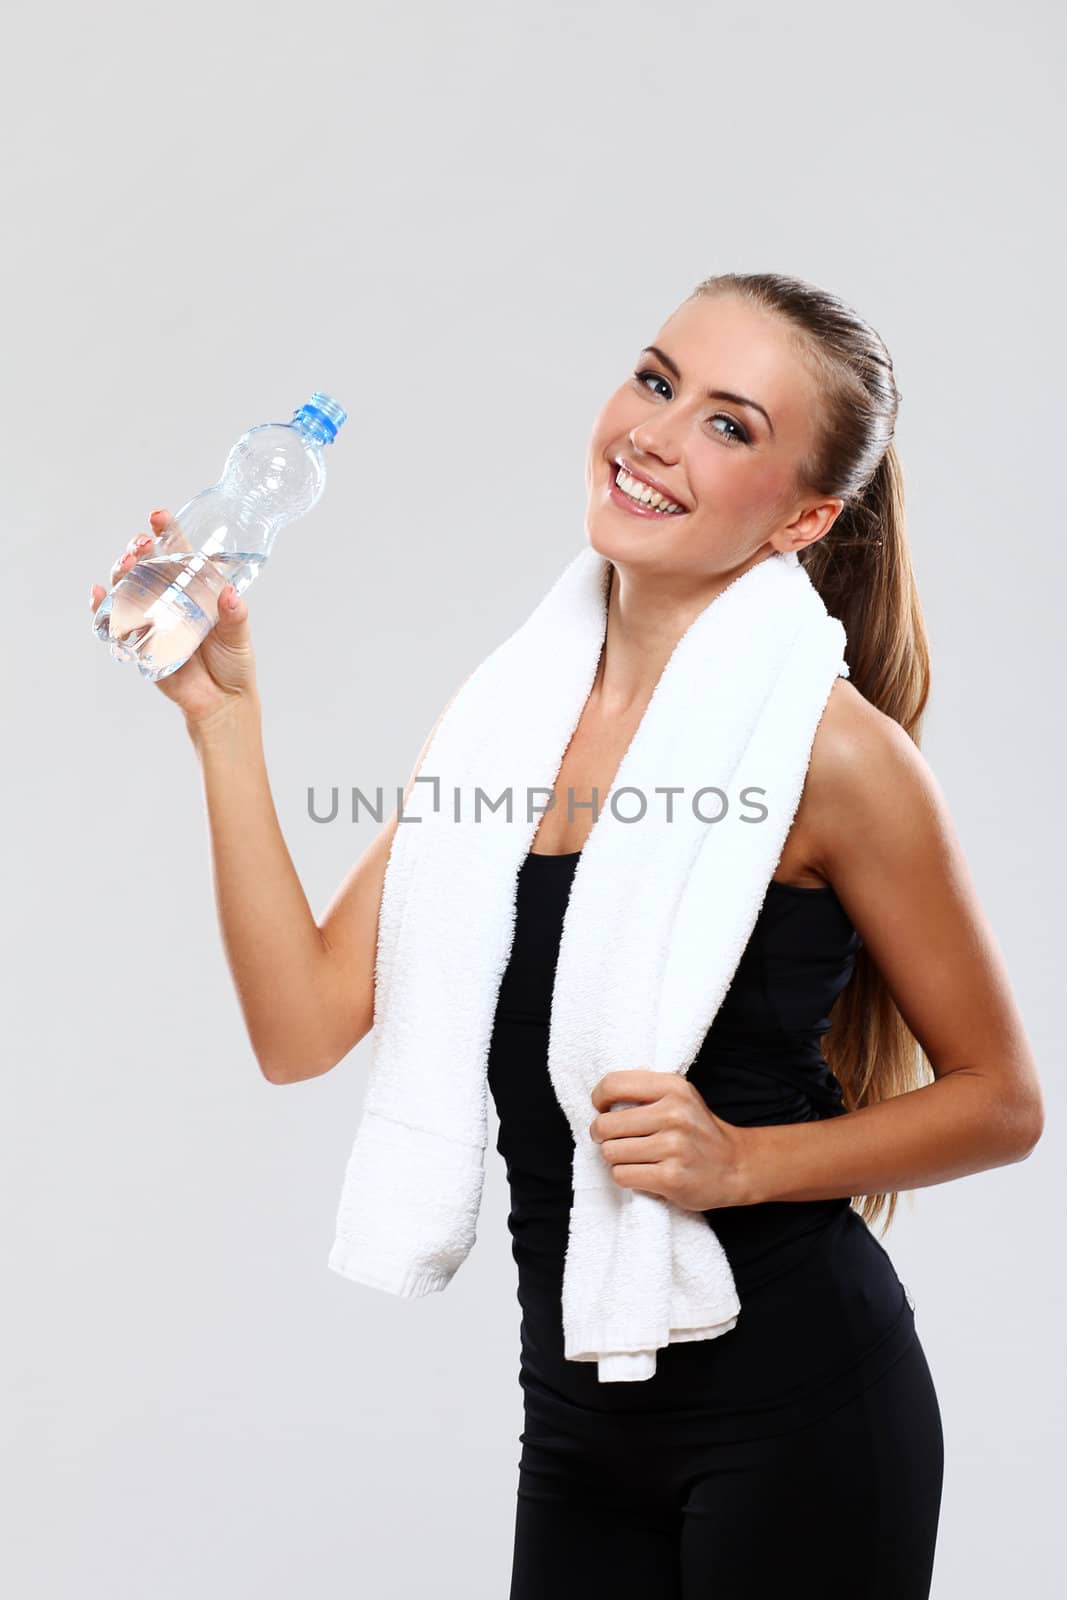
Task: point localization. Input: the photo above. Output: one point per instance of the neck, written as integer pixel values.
(647, 615)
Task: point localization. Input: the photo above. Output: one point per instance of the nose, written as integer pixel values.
(654, 438)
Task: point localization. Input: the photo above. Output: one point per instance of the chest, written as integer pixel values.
(589, 766)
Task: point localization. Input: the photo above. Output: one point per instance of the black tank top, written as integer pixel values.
(822, 1309)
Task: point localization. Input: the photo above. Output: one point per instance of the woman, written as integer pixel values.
(802, 1451)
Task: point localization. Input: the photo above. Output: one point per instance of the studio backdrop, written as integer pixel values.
(462, 224)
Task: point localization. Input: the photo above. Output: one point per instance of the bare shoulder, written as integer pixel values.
(884, 838)
(853, 732)
(869, 788)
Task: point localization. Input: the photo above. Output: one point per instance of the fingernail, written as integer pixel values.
(158, 513)
(146, 538)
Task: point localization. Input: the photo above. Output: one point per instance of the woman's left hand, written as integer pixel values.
(669, 1143)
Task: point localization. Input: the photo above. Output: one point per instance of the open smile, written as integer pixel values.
(619, 497)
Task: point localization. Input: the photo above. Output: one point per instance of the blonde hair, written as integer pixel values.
(863, 571)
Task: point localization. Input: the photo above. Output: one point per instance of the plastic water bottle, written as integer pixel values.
(160, 611)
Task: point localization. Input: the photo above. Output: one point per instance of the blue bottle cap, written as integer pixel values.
(324, 411)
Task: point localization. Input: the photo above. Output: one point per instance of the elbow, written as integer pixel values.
(284, 1068)
(1029, 1126)
(1037, 1129)
(279, 1072)
(274, 1071)
(274, 1074)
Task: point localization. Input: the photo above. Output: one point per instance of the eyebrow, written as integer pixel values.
(712, 394)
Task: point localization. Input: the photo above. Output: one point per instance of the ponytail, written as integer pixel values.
(862, 569)
(863, 572)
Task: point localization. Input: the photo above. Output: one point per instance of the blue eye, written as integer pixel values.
(641, 376)
(739, 435)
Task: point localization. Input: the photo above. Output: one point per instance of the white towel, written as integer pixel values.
(658, 916)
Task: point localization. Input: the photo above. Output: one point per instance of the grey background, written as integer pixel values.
(463, 222)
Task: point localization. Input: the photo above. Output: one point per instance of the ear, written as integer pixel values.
(814, 522)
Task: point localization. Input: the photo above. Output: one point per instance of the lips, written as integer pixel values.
(620, 499)
(645, 477)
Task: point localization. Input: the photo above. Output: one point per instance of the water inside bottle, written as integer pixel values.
(162, 609)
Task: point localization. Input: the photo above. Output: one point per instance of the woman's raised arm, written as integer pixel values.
(306, 991)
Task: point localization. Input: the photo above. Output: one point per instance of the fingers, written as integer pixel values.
(134, 551)
(163, 523)
(232, 607)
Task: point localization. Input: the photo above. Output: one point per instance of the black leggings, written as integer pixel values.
(845, 1508)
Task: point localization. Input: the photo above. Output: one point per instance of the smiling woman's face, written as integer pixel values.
(732, 467)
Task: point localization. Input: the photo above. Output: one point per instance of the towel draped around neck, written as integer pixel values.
(662, 903)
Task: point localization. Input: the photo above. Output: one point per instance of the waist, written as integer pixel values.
(806, 1337)
(760, 1241)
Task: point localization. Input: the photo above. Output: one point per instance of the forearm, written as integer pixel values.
(957, 1125)
(273, 945)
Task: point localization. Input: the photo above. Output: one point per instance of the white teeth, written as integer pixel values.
(644, 495)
